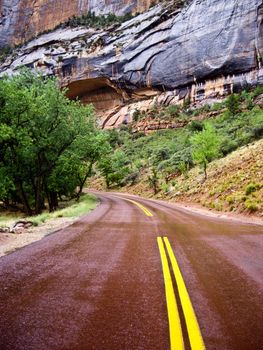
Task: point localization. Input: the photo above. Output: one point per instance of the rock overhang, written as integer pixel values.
(209, 46)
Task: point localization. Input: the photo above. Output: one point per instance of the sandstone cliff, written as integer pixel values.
(23, 19)
(205, 50)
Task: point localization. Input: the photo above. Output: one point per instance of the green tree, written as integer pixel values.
(88, 149)
(153, 180)
(232, 104)
(38, 125)
(205, 146)
(106, 168)
(115, 168)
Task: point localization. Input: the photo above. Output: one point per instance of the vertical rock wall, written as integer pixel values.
(20, 20)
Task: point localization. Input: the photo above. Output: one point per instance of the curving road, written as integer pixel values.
(110, 281)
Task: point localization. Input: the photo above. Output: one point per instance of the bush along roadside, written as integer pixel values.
(160, 163)
(13, 222)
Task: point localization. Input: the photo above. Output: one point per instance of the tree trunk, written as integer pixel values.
(53, 204)
(107, 182)
(39, 200)
(82, 182)
(80, 189)
(205, 171)
(24, 199)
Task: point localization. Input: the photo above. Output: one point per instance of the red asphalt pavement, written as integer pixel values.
(98, 284)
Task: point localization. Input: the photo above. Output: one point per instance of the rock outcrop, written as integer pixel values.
(205, 50)
(23, 19)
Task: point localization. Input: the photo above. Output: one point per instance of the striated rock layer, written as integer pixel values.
(205, 50)
(24, 19)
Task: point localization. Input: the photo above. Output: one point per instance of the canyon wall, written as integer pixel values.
(204, 50)
(23, 19)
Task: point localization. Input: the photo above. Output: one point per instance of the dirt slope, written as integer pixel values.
(235, 183)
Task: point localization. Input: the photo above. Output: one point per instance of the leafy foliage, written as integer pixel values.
(89, 19)
(206, 146)
(172, 152)
(115, 168)
(232, 104)
(42, 134)
(153, 180)
(4, 52)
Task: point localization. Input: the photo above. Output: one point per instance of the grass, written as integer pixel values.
(7, 218)
(73, 210)
(85, 205)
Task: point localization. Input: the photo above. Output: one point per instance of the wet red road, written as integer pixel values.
(99, 283)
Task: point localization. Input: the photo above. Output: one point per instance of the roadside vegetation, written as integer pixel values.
(51, 146)
(17, 230)
(48, 144)
(160, 163)
(234, 183)
(67, 209)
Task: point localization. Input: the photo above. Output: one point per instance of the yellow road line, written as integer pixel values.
(176, 336)
(194, 333)
(146, 211)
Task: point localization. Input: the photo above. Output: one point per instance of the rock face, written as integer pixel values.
(23, 19)
(205, 50)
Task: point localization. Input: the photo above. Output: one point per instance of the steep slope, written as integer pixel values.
(23, 19)
(205, 50)
(235, 183)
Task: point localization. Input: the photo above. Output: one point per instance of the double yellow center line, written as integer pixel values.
(145, 210)
(175, 329)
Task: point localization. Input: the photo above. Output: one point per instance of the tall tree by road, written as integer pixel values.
(205, 146)
(38, 125)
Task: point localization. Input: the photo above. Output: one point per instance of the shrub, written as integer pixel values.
(183, 167)
(91, 20)
(173, 110)
(4, 53)
(217, 106)
(228, 145)
(136, 115)
(257, 132)
(204, 109)
(232, 104)
(247, 97)
(132, 178)
(165, 188)
(196, 125)
(258, 91)
(230, 199)
(160, 155)
(201, 110)
(218, 206)
(251, 205)
(187, 103)
(252, 188)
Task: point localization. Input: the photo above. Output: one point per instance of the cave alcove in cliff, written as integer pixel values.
(96, 91)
